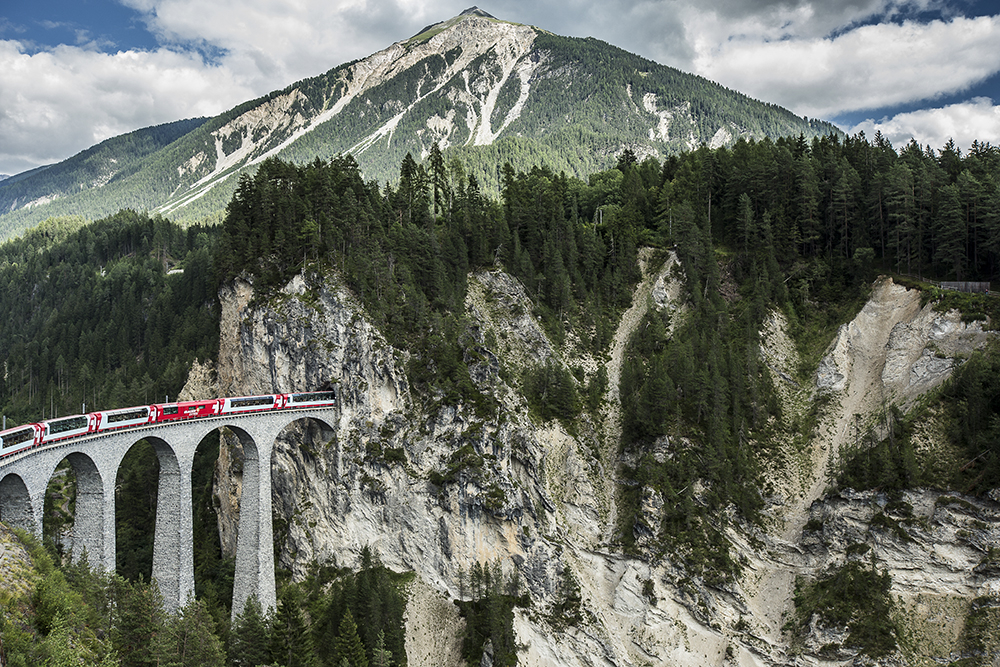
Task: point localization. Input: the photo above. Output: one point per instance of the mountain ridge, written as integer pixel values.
(485, 89)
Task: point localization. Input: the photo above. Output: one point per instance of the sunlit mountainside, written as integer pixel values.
(487, 91)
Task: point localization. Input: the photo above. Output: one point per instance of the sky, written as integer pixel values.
(76, 72)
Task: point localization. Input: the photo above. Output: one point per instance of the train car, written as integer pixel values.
(243, 404)
(110, 420)
(312, 399)
(55, 430)
(167, 412)
(18, 439)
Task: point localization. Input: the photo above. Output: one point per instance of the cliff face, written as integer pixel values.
(435, 493)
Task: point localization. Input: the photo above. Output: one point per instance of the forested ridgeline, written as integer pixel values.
(127, 171)
(113, 158)
(819, 207)
(89, 315)
(107, 314)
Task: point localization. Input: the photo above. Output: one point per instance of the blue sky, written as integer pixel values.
(73, 73)
(43, 24)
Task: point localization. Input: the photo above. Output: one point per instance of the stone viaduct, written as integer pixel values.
(95, 460)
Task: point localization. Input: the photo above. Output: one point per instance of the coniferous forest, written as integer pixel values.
(108, 300)
(112, 313)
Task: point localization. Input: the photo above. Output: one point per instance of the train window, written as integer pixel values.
(255, 400)
(18, 437)
(128, 415)
(314, 396)
(170, 409)
(69, 424)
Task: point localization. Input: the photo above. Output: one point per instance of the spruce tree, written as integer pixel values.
(137, 619)
(348, 644)
(250, 636)
(291, 642)
(188, 639)
(950, 227)
(381, 656)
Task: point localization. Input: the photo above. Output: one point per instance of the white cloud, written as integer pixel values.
(977, 119)
(816, 58)
(778, 19)
(279, 42)
(869, 67)
(61, 101)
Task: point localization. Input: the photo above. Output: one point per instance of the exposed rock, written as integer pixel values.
(500, 305)
(437, 492)
(227, 486)
(861, 344)
(932, 545)
(433, 628)
(922, 353)
(202, 383)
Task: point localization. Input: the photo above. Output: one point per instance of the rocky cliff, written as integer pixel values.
(435, 491)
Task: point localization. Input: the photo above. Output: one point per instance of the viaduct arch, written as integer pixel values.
(96, 458)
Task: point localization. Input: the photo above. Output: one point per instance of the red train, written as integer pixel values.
(18, 439)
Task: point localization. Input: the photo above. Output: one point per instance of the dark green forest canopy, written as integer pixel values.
(106, 315)
(828, 202)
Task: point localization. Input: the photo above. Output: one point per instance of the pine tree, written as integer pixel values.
(806, 204)
(441, 197)
(899, 204)
(381, 656)
(348, 646)
(188, 639)
(746, 229)
(951, 232)
(291, 641)
(250, 636)
(137, 619)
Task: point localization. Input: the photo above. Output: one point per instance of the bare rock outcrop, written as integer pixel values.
(437, 491)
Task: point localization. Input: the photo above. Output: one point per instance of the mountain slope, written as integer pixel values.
(486, 90)
(114, 159)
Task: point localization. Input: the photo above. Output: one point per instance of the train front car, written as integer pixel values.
(110, 420)
(243, 404)
(18, 439)
(312, 399)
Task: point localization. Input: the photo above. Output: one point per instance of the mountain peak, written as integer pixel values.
(464, 83)
(476, 11)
